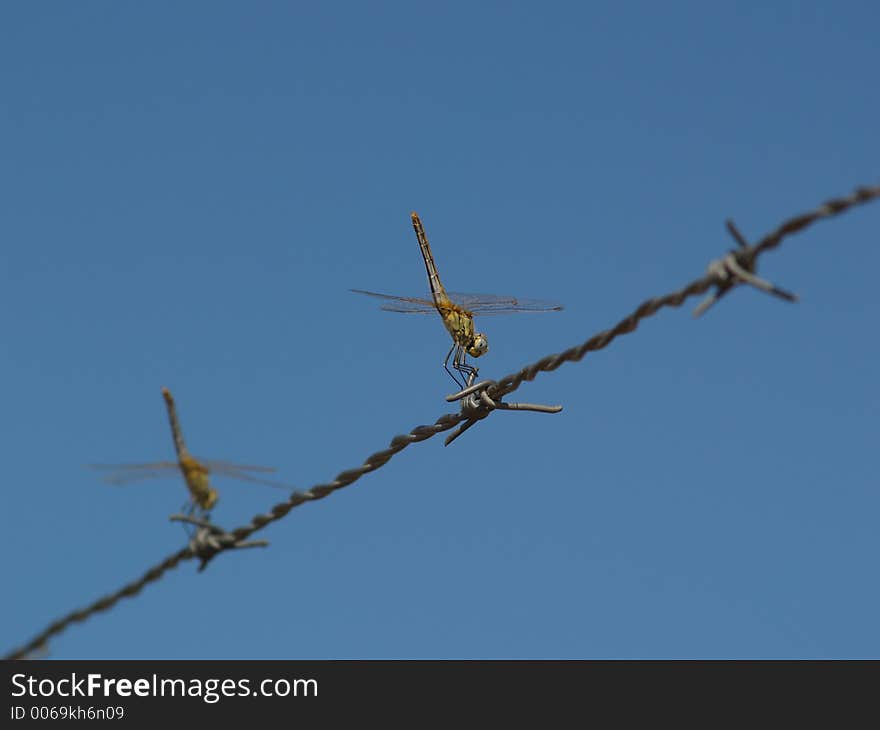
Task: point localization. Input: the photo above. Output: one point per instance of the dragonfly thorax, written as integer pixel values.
(201, 492)
(207, 499)
(195, 475)
(479, 345)
(460, 324)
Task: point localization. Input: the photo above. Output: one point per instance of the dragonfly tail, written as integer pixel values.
(437, 290)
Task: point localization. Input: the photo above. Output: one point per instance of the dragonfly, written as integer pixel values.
(457, 311)
(196, 472)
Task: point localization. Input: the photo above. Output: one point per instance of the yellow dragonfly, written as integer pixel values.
(457, 311)
(196, 472)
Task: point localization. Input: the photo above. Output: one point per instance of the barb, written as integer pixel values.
(476, 404)
(343, 479)
(494, 391)
(650, 307)
(210, 539)
(738, 267)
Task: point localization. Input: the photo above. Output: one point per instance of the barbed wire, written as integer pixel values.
(40, 641)
(214, 540)
(238, 536)
(650, 307)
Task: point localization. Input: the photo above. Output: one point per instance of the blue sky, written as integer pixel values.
(190, 190)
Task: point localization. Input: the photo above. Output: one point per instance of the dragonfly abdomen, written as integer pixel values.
(437, 290)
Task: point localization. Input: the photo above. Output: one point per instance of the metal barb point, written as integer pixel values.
(419, 434)
(209, 539)
(738, 267)
(476, 404)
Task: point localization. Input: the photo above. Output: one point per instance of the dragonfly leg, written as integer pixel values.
(455, 363)
(467, 372)
(461, 366)
(188, 508)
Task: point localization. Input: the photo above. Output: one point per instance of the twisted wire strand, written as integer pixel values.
(502, 387)
(828, 209)
(349, 476)
(102, 604)
(650, 307)
(319, 491)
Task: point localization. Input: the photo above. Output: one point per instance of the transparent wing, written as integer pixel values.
(120, 474)
(495, 304)
(482, 304)
(407, 305)
(127, 473)
(234, 473)
(218, 464)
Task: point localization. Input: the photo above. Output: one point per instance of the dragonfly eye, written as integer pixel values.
(480, 345)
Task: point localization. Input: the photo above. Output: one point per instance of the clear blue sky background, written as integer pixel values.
(188, 193)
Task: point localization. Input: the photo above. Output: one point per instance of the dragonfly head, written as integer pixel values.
(479, 345)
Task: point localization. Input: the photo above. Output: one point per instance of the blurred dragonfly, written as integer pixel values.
(195, 471)
(457, 311)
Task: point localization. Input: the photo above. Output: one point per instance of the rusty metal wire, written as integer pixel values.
(102, 604)
(476, 405)
(237, 537)
(209, 539)
(738, 267)
(650, 307)
(716, 277)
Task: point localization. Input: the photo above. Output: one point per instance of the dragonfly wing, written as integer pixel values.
(219, 464)
(407, 305)
(120, 474)
(241, 476)
(121, 478)
(150, 466)
(484, 304)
